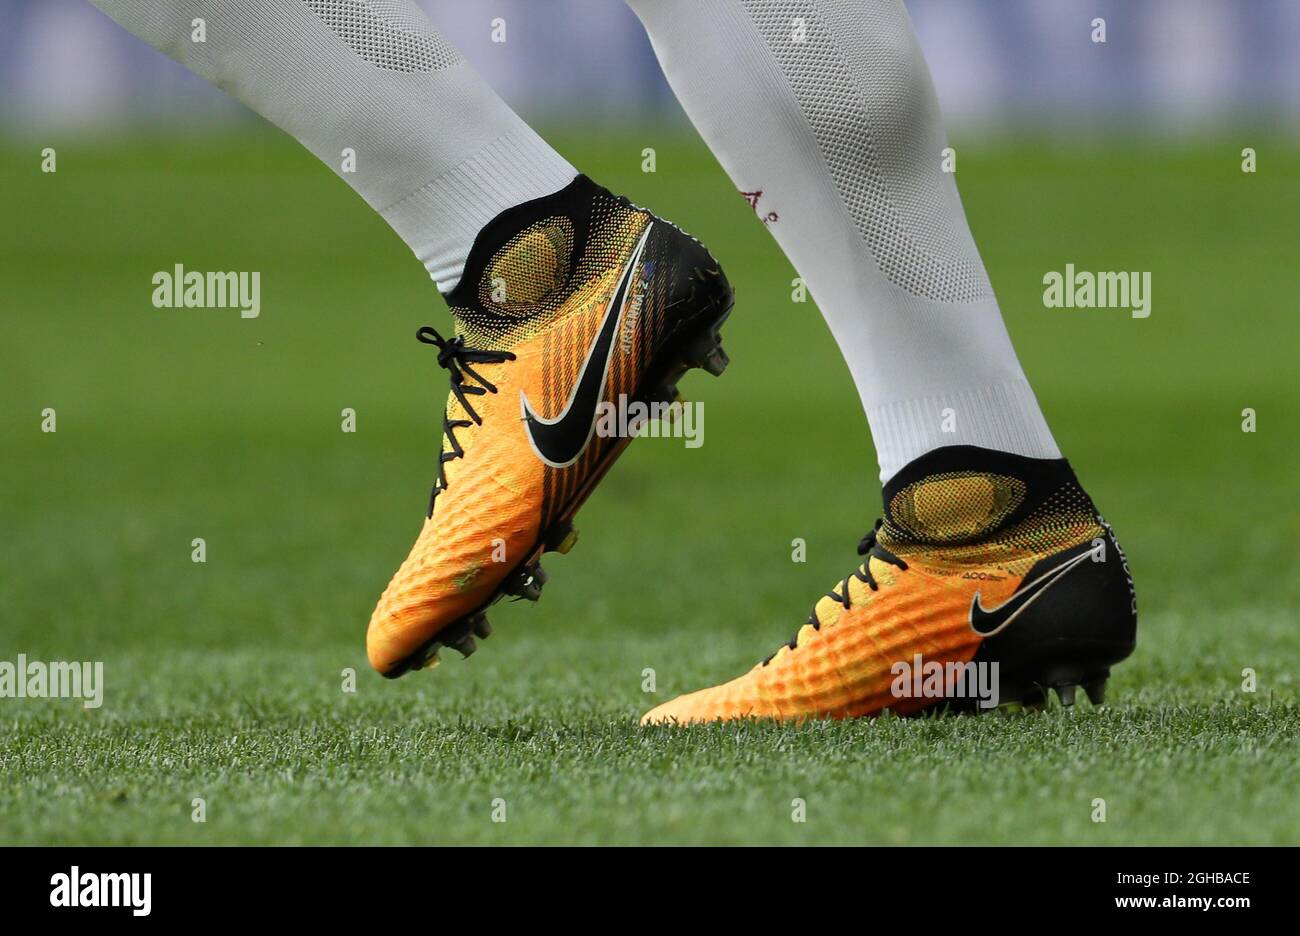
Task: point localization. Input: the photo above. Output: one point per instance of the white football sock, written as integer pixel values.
(824, 113)
(438, 154)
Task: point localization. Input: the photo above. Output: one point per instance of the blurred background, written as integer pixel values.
(1167, 65)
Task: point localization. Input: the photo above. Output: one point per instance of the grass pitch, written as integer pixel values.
(223, 679)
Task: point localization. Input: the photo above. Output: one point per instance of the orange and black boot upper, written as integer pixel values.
(991, 579)
(567, 304)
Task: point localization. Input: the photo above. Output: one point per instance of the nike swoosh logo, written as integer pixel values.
(561, 440)
(988, 621)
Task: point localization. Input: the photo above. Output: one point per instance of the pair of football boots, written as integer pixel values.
(990, 580)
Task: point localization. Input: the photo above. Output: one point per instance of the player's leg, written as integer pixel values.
(823, 113)
(379, 96)
(538, 264)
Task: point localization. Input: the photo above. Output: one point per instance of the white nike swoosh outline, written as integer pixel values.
(529, 415)
(1054, 574)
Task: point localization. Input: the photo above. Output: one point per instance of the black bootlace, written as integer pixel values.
(868, 547)
(456, 357)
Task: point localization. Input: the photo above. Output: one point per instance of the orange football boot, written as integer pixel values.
(991, 579)
(570, 305)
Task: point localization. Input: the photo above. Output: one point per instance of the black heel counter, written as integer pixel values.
(1085, 620)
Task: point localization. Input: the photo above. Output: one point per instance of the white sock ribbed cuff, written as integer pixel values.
(1004, 417)
(441, 219)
